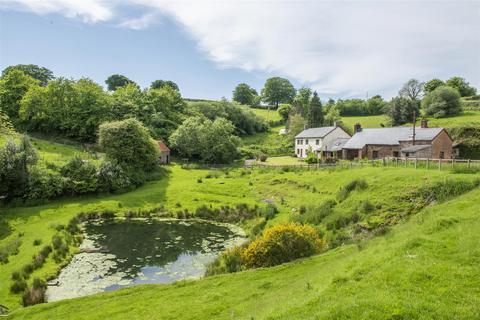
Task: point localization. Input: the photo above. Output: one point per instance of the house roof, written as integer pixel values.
(390, 136)
(415, 148)
(315, 132)
(162, 146)
(337, 144)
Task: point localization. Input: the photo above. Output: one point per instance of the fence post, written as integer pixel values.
(439, 164)
(428, 161)
(350, 164)
(468, 164)
(453, 163)
(416, 159)
(396, 161)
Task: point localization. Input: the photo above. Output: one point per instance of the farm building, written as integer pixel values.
(164, 153)
(407, 142)
(324, 142)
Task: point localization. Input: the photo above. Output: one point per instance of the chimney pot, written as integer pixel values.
(424, 123)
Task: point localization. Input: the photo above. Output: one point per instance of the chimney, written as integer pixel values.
(336, 123)
(357, 127)
(424, 123)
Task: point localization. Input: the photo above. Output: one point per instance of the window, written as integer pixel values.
(442, 155)
(317, 142)
(395, 154)
(306, 141)
(298, 151)
(375, 154)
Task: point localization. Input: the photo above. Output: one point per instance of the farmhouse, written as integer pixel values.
(324, 141)
(164, 157)
(418, 142)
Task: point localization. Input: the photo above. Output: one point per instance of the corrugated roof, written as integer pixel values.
(163, 147)
(315, 132)
(389, 136)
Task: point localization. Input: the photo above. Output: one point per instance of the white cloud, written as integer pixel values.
(340, 48)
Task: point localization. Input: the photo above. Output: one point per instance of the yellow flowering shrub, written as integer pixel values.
(282, 243)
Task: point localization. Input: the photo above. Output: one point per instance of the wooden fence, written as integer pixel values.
(416, 163)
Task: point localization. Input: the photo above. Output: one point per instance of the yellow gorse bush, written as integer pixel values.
(282, 243)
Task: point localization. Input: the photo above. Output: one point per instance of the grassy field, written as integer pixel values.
(424, 269)
(269, 115)
(365, 121)
(188, 189)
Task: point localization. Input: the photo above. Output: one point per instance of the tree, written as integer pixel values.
(296, 124)
(375, 105)
(126, 103)
(158, 84)
(207, 140)
(462, 86)
(116, 81)
(244, 94)
(43, 75)
(284, 111)
(128, 143)
(432, 85)
(412, 90)
(278, 90)
(13, 86)
(15, 163)
(315, 112)
(302, 101)
(68, 107)
(331, 116)
(400, 110)
(441, 102)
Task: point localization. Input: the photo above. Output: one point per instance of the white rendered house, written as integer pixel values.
(324, 141)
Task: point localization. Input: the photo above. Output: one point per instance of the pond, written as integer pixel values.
(121, 253)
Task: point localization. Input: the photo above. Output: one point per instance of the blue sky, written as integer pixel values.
(339, 48)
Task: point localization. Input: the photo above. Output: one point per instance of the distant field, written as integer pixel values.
(365, 121)
(269, 115)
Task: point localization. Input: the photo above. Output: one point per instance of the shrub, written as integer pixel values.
(228, 261)
(311, 158)
(344, 192)
(112, 177)
(37, 242)
(81, 176)
(446, 189)
(282, 243)
(19, 285)
(44, 184)
(35, 294)
(263, 157)
(441, 102)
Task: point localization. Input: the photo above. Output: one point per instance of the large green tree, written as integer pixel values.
(207, 140)
(244, 94)
(400, 110)
(129, 144)
(158, 84)
(72, 108)
(463, 87)
(315, 112)
(13, 86)
(441, 102)
(433, 84)
(116, 81)
(43, 75)
(278, 90)
(301, 102)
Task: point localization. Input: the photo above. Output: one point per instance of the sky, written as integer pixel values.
(342, 49)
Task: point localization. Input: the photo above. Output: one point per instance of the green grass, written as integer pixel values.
(365, 121)
(282, 161)
(269, 115)
(426, 268)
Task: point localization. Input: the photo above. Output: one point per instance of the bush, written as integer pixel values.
(441, 102)
(446, 189)
(19, 285)
(229, 261)
(37, 242)
(282, 243)
(344, 192)
(35, 294)
(81, 176)
(311, 158)
(112, 177)
(263, 157)
(44, 184)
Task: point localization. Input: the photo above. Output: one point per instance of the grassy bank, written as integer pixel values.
(424, 269)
